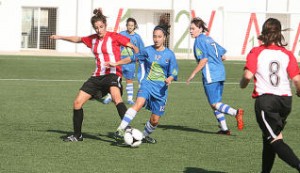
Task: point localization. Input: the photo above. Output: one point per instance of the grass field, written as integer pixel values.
(36, 95)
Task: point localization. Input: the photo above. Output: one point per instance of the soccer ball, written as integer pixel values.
(133, 137)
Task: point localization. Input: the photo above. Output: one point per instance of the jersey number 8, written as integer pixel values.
(274, 77)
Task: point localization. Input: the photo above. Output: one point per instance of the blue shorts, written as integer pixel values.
(128, 70)
(156, 99)
(214, 91)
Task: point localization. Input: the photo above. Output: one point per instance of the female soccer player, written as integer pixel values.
(272, 65)
(209, 56)
(161, 69)
(129, 69)
(106, 47)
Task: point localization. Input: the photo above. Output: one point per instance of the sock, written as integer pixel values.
(129, 90)
(285, 153)
(129, 115)
(268, 157)
(224, 108)
(121, 109)
(148, 129)
(108, 96)
(221, 119)
(77, 121)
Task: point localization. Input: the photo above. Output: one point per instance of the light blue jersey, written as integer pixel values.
(206, 47)
(159, 65)
(129, 69)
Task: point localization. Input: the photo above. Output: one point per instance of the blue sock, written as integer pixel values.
(148, 129)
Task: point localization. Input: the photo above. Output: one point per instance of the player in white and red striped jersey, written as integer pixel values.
(106, 48)
(272, 67)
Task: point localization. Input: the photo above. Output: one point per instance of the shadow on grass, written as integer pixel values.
(105, 138)
(85, 135)
(199, 170)
(185, 128)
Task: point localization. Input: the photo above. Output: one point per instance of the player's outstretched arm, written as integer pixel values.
(296, 81)
(121, 62)
(248, 75)
(132, 46)
(73, 39)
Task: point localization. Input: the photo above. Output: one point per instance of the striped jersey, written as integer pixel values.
(206, 47)
(106, 49)
(272, 67)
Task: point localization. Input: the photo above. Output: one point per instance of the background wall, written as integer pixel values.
(235, 24)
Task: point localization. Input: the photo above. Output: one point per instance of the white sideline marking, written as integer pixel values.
(62, 80)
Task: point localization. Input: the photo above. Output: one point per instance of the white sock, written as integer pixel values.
(129, 116)
(129, 90)
(108, 96)
(222, 120)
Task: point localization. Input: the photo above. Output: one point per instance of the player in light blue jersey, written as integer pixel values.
(209, 56)
(160, 70)
(128, 70)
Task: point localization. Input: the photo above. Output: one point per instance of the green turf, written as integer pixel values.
(36, 95)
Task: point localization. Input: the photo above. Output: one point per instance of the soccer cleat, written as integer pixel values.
(239, 119)
(119, 135)
(107, 100)
(73, 138)
(131, 102)
(148, 139)
(224, 132)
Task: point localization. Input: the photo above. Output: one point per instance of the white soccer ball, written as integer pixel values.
(133, 137)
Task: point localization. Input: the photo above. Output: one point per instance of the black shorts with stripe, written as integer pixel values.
(98, 86)
(271, 114)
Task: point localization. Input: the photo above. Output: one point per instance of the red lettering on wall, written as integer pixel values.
(296, 39)
(253, 19)
(193, 14)
(211, 19)
(118, 19)
(212, 16)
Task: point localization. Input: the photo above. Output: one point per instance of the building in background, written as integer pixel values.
(27, 24)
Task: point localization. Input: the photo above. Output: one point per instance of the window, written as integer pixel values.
(37, 25)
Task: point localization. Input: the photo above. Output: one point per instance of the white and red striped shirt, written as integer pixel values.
(272, 67)
(106, 49)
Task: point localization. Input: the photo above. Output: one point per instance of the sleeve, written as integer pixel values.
(221, 50)
(292, 68)
(121, 39)
(88, 40)
(251, 61)
(200, 49)
(173, 67)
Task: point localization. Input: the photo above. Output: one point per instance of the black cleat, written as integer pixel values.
(148, 139)
(73, 138)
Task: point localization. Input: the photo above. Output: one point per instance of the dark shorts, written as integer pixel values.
(98, 86)
(271, 114)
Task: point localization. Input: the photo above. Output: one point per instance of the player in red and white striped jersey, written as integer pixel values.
(272, 67)
(106, 48)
